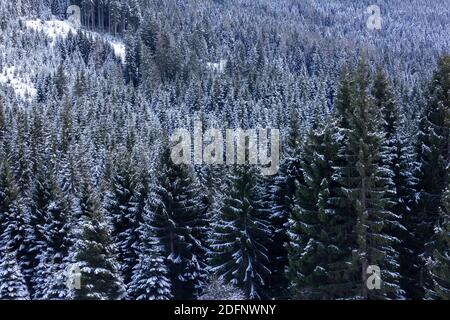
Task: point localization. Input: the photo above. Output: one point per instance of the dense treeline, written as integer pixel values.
(86, 179)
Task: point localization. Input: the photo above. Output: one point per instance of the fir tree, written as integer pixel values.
(2, 121)
(398, 157)
(60, 81)
(54, 247)
(122, 208)
(318, 227)
(12, 216)
(43, 199)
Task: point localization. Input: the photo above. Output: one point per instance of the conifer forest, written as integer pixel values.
(94, 207)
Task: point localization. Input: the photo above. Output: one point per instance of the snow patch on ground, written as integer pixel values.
(119, 48)
(61, 28)
(19, 81)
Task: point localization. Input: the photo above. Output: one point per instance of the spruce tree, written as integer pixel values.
(433, 143)
(319, 247)
(150, 275)
(240, 232)
(121, 206)
(366, 189)
(52, 259)
(398, 157)
(60, 81)
(439, 262)
(2, 121)
(93, 254)
(282, 195)
(12, 234)
(12, 215)
(12, 282)
(43, 197)
(176, 209)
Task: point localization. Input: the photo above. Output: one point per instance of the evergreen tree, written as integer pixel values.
(149, 280)
(240, 232)
(398, 157)
(175, 206)
(367, 188)
(52, 259)
(282, 191)
(149, 34)
(121, 206)
(319, 247)
(133, 70)
(60, 81)
(12, 218)
(439, 262)
(12, 282)
(93, 254)
(42, 199)
(433, 143)
(2, 121)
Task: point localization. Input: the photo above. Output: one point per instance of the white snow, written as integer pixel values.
(118, 47)
(61, 28)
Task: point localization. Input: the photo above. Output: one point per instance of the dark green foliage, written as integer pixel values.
(320, 230)
(93, 256)
(433, 143)
(240, 234)
(177, 221)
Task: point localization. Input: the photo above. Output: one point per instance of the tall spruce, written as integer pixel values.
(398, 156)
(121, 206)
(439, 262)
(366, 189)
(319, 248)
(433, 157)
(150, 275)
(241, 229)
(282, 195)
(12, 282)
(93, 254)
(176, 209)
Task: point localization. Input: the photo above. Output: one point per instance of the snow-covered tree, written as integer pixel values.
(241, 231)
(433, 157)
(176, 209)
(439, 262)
(398, 156)
(367, 187)
(121, 206)
(93, 255)
(150, 275)
(282, 191)
(12, 282)
(319, 252)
